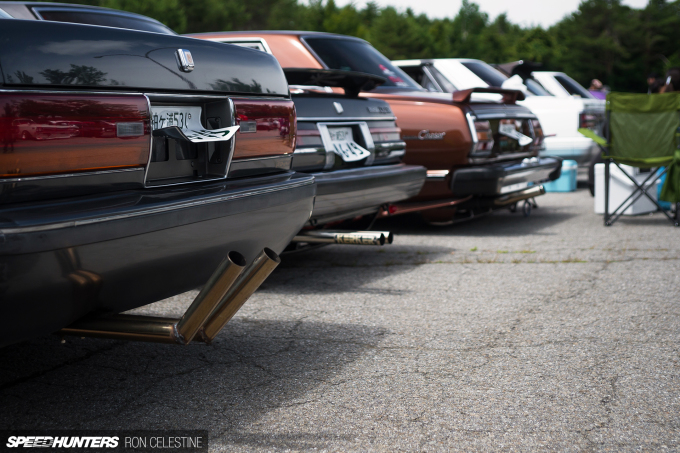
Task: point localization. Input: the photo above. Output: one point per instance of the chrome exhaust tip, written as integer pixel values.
(525, 194)
(227, 289)
(345, 237)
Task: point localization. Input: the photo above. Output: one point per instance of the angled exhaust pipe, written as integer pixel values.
(231, 278)
(345, 237)
(251, 279)
(514, 197)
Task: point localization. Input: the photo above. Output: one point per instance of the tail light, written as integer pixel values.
(482, 138)
(587, 120)
(385, 134)
(308, 139)
(43, 134)
(538, 133)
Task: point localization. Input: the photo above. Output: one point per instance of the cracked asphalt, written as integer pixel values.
(505, 333)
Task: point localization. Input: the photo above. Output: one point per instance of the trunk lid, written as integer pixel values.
(52, 54)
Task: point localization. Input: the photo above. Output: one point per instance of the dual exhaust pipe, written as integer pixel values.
(345, 237)
(225, 292)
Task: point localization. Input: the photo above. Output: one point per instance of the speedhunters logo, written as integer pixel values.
(61, 442)
(175, 441)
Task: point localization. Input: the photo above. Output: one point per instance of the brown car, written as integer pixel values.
(480, 148)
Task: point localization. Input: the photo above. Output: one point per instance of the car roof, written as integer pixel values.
(278, 32)
(30, 5)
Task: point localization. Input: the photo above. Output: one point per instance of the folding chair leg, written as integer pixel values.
(606, 192)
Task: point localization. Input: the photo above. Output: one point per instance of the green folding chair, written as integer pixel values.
(642, 132)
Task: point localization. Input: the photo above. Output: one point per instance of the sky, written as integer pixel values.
(522, 12)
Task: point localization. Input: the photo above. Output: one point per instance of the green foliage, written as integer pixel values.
(603, 39)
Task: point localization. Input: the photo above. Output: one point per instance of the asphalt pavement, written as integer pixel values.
(505, 333)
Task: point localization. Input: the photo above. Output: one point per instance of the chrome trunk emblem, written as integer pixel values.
(184, 60)
(338, 107)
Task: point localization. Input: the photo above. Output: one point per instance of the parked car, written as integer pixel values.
(560, 117)
(480, 154)
(350, 144)
(159, 184)
(348, 186)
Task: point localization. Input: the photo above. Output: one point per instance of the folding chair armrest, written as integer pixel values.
(593, 136)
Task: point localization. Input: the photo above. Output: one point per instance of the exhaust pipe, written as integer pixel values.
(510, 198)
(345, 237)
(251, 279)
(226, 282)
(418, 206)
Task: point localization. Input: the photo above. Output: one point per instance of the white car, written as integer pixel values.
(560, 117)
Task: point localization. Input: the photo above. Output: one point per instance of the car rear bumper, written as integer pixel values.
(344, 194)
(581, 149)
(63, 259)
(503, 178)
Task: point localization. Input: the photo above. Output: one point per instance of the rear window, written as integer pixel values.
(491, 76)
(573, 87)
(105, 19)
(443, 82)
(536, 88)
(353, 55)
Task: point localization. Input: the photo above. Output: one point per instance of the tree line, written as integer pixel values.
(603, 39)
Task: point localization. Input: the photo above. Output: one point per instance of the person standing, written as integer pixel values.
(597, 89)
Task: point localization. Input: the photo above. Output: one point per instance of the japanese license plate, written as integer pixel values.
(509, 129)
(343, 144)
(188, 120)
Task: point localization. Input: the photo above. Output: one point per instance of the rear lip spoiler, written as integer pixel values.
(509, 96)
(351, 81)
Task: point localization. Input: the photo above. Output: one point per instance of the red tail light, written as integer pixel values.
(385, 134)
(587, 120)
(58, 133)
(484, 143)
(538, 132)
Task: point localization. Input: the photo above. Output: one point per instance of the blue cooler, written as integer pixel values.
(665, 205)
(567, 181)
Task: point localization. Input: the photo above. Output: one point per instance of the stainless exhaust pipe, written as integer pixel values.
(514, 197)
(251, 279)
(345, 237)
(166, 330)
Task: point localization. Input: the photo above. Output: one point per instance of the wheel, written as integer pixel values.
(513, 207)
(526, 208)
(25, 136)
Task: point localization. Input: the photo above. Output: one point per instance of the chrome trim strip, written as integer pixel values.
(144, 93)
(148, 163)
(260, 159)
(319, 150)
(76, 223)
(262, 41)
(471, 124)
(233, 138)
(193, 96)
(379, 118)
(434, 81)
(484, 116)
(437, 174)
(68, 175)
(53, 91)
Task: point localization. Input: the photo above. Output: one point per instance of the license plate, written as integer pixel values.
(510, 130)
(342, 143)
(507, 128)
(188, 120)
